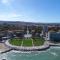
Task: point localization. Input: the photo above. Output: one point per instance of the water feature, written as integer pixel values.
(51, 54)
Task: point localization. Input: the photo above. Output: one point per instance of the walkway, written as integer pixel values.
(45, 46)
(3, 47)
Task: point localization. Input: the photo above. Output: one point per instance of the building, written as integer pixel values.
(53, 36)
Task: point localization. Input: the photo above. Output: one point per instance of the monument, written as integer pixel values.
(27, 35)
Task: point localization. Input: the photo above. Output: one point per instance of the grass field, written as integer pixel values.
(16, 42)
(27, 42)
(38, 41)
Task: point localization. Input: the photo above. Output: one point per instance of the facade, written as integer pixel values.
(53, 36)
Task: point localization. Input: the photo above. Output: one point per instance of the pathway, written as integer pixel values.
(32, 42)
(45, 46)
(22, 43)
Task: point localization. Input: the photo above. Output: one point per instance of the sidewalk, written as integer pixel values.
(3, 47)
(46, 45)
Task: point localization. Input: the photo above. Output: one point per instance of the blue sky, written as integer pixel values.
(46, 11)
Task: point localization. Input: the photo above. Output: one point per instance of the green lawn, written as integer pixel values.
(38, 41)
(27, 42)
(16, 42)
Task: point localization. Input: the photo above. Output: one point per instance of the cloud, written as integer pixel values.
(9, 16)
(15, 17)
(6, 2)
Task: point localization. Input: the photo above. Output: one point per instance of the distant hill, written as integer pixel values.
(27, 23)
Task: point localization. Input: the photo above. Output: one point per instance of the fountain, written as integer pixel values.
(28, 35)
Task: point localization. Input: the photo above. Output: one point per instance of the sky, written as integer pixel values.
(43, 11)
